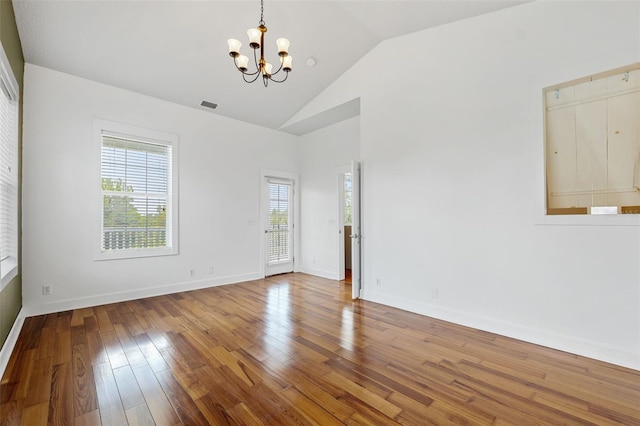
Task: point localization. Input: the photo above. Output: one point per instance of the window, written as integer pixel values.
(348, 194)
(279, 232)
(8, 172)
(593, 144)
(138, 192)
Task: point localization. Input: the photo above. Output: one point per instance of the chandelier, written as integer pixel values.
(263, 68)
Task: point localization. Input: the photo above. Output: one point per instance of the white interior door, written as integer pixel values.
(356, 237)
(279, 226)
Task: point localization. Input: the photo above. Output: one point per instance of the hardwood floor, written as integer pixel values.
(294, 349)
(347, 276)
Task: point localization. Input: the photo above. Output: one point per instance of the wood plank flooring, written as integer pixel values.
(294, 349)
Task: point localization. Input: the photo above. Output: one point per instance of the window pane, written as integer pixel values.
(133, 168)
(278, 227)
(8, 181)
(137, 218)
(347, 198)
(133, 222)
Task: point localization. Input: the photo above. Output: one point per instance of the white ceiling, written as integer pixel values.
(177, 50)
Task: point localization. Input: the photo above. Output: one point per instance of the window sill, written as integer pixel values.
(134, 253)
(589, 220)
(9, 271)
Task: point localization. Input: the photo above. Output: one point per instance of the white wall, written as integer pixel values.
(451, 144)
(220, 162)
(321, 153)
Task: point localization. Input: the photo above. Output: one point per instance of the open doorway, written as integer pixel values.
(347, 226)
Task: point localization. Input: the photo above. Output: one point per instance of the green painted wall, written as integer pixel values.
(11, 296)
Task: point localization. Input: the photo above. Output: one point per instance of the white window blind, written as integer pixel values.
(8, 172)
(136, 193)
(278, 228)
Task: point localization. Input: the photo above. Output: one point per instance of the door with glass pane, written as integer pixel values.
(356, 232)
(279, 227)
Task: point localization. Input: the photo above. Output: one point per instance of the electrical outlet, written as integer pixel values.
(378, 282)
(435, 293)
(47, 290)
(211, 270)
(192, 272)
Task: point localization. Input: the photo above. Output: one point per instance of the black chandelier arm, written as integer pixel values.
(244, 76)
(244, 72)
(255, 59)
(279, 81)
(279, 68)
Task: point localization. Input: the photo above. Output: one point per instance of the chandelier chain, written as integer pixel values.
(261, 13)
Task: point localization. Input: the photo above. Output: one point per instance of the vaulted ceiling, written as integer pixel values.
(177, 50)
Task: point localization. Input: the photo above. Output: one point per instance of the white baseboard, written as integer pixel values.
(614, 355)
(10, 343)
(319, 272)
(121, 296)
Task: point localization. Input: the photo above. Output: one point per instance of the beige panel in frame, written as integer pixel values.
(593, 141)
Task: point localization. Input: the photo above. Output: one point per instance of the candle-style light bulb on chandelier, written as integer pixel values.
(263, 68)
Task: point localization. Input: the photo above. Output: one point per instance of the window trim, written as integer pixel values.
(142, 134)
(10, 84)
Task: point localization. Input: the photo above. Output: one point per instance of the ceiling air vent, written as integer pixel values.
(209, 104)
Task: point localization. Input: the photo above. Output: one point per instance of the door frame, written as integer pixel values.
(356, 230)
(264, 201)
